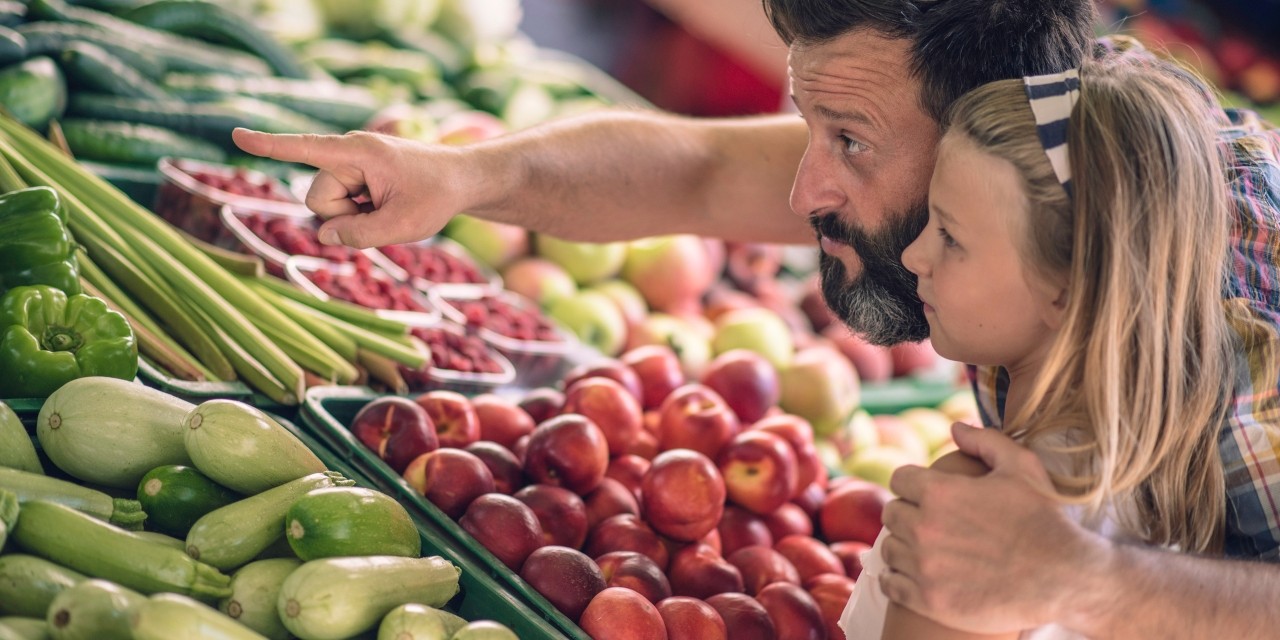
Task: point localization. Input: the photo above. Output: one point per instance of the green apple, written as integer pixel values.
(897, 433)
(542, 281)
(587, 262)
(962, 406)
(757, 329)
(691, 347)
(942, 451)
(877, 465)
(820, 386)
(594, 318)
(859, 434)
(931, 425)
(629, 301)
(493, 243)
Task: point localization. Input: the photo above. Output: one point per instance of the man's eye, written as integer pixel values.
(851, 146)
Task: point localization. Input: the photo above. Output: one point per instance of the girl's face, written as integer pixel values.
(981, 306)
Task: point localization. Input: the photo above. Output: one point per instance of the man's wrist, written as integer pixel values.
(1096, 586)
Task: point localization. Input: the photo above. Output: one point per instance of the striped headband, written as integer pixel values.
(1052, 96)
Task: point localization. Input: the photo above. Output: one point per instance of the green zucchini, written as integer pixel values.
(26, 628)
(50, 38)
(127, 514)
(34, 91)
(166, 616)
(13, 47)
(178, 496)
(8, 514)
(419, 622)
(12, 13)
(130, 143)
(93, 610)
(243, 449)
(340, 597)
(350, 521)
(341, 105)
(233, 535)
(83, 543)
(112, 432)
(89, 66)
(29, 584)
(160, 538)
(255, 588)
(484, 630)
(16, 450)
(209, 21)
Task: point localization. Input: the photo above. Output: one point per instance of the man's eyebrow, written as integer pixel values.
(843, 116)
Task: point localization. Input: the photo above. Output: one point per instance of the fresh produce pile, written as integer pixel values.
(238, 530)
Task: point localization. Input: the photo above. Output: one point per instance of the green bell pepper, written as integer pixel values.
(48, 339)
(35, 245)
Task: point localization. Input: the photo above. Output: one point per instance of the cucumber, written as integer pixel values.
(350, 521)
(162, 539)
(344, 106)
(29, 584)
(178, 496)
(167, 616)
(92, 67)
(93, 610)
(235, 534)
(127, 514)
(16, 450)
(243, 449)
(340, 597)
(129, 143)
(83, 543)
(484, 630)
(8, 515)
(112, 432)
(26, 628)
(50, 38)
(254, 591)
(13, 47)
(209, 21)
(419, 622)
(33, 91)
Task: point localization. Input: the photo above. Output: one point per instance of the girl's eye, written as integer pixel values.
(947, 240)
(851, 146)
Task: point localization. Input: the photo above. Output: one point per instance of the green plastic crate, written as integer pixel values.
(905, 393)
(197, 392)
(327, 410)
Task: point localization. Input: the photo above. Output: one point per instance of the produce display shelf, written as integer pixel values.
(197, 392)
(906, 393)
(327, 410)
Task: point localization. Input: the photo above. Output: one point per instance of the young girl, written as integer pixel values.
(1077, 240)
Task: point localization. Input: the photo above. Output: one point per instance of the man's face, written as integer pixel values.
(864, 179)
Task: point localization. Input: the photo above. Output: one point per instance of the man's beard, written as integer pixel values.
(880, 304)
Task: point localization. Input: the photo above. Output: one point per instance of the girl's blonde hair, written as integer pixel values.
(1134, 389)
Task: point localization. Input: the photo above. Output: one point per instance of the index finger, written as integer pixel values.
(319, 151)
(907, 482)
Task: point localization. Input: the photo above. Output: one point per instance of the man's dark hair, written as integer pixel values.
(957, 45)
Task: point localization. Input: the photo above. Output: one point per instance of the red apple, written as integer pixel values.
(626, 532)
(610, 406)
(644, 446)
(810, 499)
(695, 417)
(788, 520)
(501, 420)
(873, 362)
(698, 571)
(671, 272)
(831, 592)
(505, 526)
(455, 419)
(723, 298)
(542, 404)
(910, 357)
(566, 577)
(852, 512)
(609, 499)
(712, 539)
(799, 434)
(691, 619)
(560, 511)
(850, 554)
(740, 528)
(520, 448)
(744, 617)
(610, 368)
(391, 416)
(815, 308)
(794, 613)
(635, 571)
(658, 369)
(567, 451)
(746, 381)
(895, 431)
(760, 566)
(508, 474)
(752, 265)
(759, 470)
(683, 494)
(622, 614)
(450, 479)
(629, 470)
(809, 556)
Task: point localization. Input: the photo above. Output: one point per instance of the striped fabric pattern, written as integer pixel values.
(1052, 97)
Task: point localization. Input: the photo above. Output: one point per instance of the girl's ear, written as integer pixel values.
(1051, 302)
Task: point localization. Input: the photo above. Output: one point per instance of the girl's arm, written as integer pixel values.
(901, 623)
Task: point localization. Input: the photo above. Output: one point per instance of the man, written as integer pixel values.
(870, 79)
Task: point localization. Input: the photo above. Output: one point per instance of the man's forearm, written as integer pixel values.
(1149, 593)
(622, 175)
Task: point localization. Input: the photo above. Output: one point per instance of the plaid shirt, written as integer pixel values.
(1249, 444)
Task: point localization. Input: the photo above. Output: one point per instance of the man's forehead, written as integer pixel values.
(861, 66)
